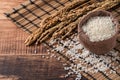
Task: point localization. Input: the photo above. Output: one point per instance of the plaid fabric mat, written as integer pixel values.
(28, 16)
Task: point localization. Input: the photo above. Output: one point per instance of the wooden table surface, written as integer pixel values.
(28, 66)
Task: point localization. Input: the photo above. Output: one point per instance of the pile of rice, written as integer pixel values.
(99, 28)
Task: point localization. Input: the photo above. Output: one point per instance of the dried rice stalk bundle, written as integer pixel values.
(51, 21)
(65, 27)
(78, 14)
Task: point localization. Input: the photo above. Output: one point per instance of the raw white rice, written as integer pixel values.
(99, 28)
(98, 62)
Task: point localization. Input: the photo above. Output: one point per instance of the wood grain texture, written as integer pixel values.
(30, 67)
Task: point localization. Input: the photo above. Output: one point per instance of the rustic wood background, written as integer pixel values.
(16, 65)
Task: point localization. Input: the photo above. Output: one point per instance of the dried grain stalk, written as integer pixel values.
(52, 20)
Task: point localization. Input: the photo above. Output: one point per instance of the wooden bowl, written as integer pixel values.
(100, 47)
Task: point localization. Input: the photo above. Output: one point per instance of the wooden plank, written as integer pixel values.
(31, 67)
